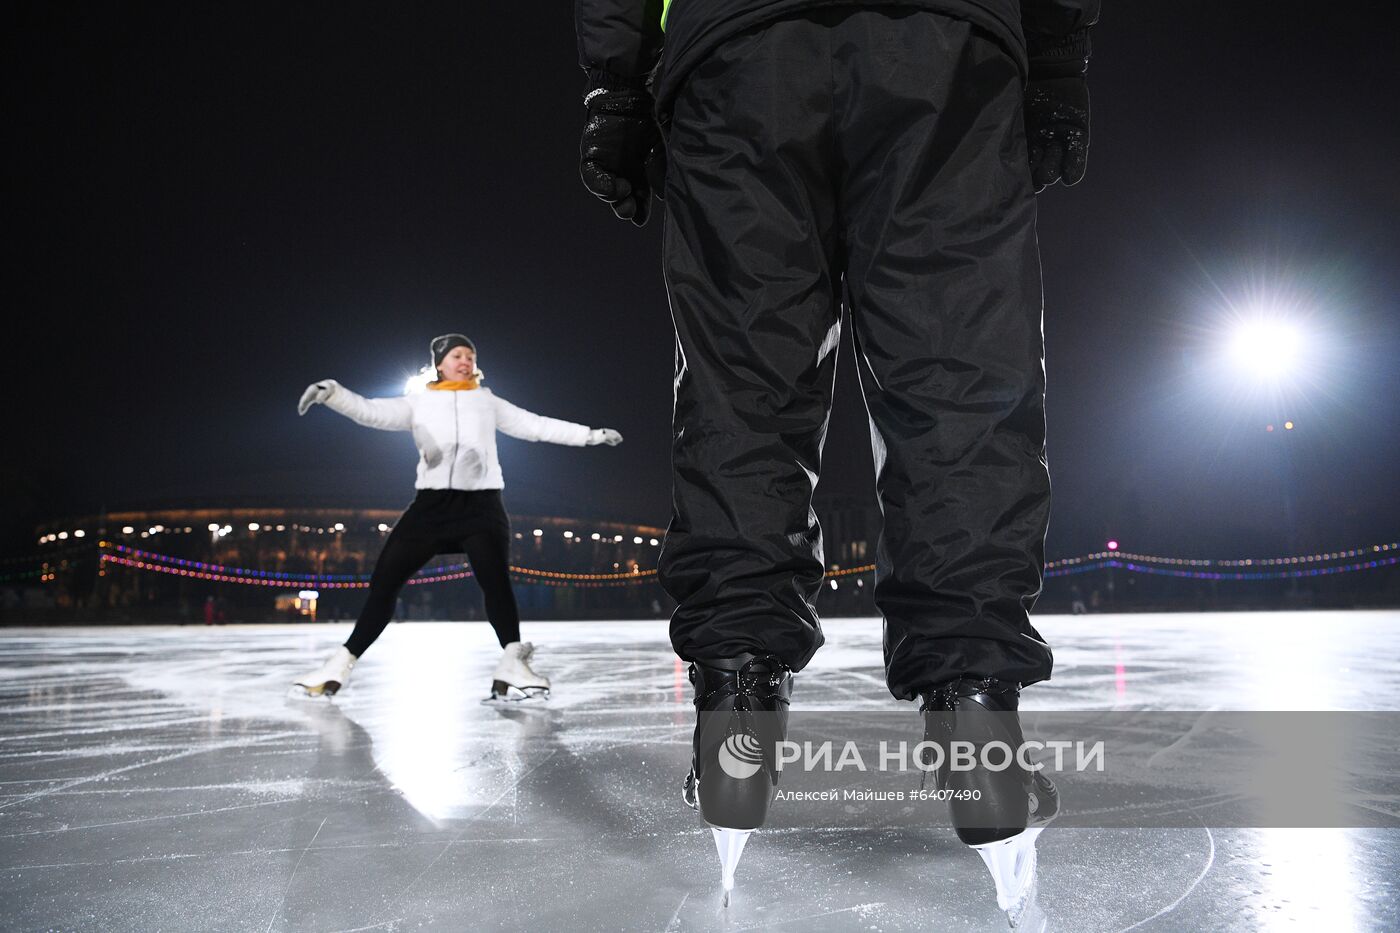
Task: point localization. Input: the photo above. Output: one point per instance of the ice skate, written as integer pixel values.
(514, 680)
(741, 708)
(1012, 805)
(327, 680)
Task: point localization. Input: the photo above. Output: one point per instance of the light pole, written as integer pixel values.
(1268, 353)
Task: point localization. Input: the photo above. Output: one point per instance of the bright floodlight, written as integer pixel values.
(418, 381)
(1266, 349)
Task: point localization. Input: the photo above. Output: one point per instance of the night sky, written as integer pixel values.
(212, 205)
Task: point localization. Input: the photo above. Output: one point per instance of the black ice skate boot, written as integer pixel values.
(998, 811)
(741, 706)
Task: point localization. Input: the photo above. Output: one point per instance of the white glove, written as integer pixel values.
(604, 436)
(315, 394)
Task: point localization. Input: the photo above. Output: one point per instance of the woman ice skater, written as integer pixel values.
(458, 508)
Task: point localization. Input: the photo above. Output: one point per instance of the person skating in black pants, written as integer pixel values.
(884, 156)
(458, 508)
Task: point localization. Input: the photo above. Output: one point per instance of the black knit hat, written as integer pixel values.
(441, 346)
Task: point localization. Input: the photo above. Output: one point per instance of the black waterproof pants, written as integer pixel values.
(882, 150)
(443, 521)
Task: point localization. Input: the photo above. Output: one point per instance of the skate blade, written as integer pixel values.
(503, 693)
(1012, 863)
(1029, 917)
(729, 843)
(321, 693)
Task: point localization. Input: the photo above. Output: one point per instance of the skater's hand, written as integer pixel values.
(622, 151)
(315, 394)
(604, 436)
(1057, 129)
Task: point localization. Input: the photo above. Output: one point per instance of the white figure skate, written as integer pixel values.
(327, 680)
(514, 680)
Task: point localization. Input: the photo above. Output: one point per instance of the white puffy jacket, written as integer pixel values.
(455, 431)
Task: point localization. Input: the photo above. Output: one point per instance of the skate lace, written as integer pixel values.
(751, 685)
(942, 697)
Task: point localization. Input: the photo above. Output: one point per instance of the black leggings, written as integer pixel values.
(444, 521)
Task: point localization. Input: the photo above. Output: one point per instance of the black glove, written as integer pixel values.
(621, 145)
(1057, 109)
(1057, 130)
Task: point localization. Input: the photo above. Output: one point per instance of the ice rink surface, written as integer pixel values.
(159, 779)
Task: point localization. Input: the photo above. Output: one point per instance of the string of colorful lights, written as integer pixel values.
(1236, 576)
(327, 579)
(1319, 558)
(1300, 566)
(255, 581)
(219, 573)
(1117, 560)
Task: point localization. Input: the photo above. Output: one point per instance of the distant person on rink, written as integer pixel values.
(458, 508)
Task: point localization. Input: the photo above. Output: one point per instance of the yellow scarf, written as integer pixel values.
(454, 385)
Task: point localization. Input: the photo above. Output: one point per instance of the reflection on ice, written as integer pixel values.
(1314, 872)
(422, 754)
(156, 778)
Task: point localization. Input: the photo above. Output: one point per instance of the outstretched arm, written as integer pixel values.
(386, 414)
(528, 426)
(1057, 95)
(619, 43)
